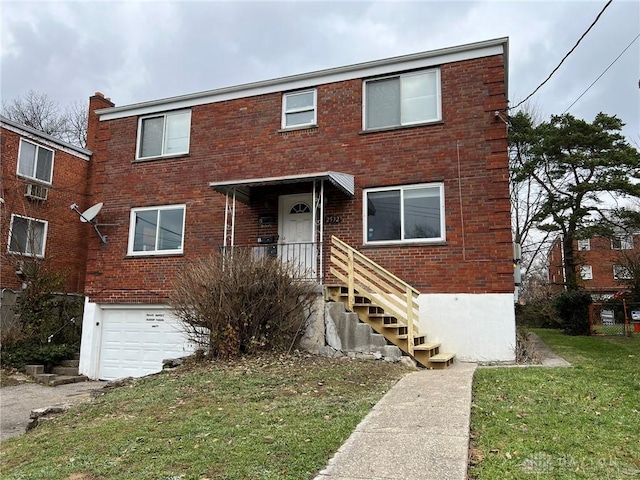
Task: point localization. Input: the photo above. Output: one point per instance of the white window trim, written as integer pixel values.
(616, 275)
(626, 242)
(440, 239)
(586, 272)
(584, 245)
(44, 236)
(164, 135)
(421, 122)
(34, 178)
(314, 108)
(132, 231)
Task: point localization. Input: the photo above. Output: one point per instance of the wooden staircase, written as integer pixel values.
(383, 301)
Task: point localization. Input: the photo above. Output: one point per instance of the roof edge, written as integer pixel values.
(4, 121)
(193, 98)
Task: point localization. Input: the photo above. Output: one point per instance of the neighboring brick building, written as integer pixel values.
(404, 159)
(41, 177)
(600, 261)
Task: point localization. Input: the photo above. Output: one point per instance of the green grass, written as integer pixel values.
(581, 422)
(259, 418)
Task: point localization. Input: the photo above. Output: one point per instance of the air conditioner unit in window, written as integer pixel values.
(36, 192)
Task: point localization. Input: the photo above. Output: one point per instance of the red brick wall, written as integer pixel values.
(601, 257)
(240, 139)
(65, 248)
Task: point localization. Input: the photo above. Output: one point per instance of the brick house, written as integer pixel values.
(600, 263)
(402, 159)
(41, 177)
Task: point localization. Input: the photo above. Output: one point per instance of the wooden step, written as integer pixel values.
(426, 346)
(441, 360)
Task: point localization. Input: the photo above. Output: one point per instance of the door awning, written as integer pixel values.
(343, 181)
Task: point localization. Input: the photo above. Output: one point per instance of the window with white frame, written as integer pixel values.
(586, 272)
(299, 109)
(35, 161)
(157, 230)
(400, 100)
(27, 236)
(621, 272)
(584, 244)
(622, 243)
(404, 214)
(164, 135)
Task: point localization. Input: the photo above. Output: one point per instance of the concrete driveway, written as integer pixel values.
(16, 402)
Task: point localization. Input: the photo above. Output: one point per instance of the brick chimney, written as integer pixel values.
(96, 102)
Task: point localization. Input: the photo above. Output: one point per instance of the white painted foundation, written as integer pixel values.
(476, 327)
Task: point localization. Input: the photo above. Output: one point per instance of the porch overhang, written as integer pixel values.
(343, 181)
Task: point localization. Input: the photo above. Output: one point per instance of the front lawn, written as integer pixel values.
(259, 418)
(581, 422)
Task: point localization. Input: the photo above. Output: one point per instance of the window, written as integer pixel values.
(402, 100)
(156, 230)
(584, 244)
(299, 109)
(404, 214)
(163, 135)
(622, 243)
(27, 236)
(622, 273)
(35, 161)
(586, 272)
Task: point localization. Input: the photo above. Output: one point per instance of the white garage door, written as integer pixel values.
(135, 342)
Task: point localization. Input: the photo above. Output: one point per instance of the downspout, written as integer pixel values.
(321, 242)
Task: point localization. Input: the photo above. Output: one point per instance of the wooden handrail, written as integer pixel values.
(391, 293)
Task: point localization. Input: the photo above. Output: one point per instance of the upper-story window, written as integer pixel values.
(27, 236)
(586, 272)
(299, 109)
(401, 100)
(622, 243)
(584, 244)
(157, 230)
(412, 213)
(164, 135)
(35, 161)
(620, 272)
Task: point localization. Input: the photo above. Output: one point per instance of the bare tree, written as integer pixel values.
(77, 115)
(38, 111)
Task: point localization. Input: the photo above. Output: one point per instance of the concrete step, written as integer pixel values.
(53, 380)
(68, 371)
(70, 363)
(33, 370)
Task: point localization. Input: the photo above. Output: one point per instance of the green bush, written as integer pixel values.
(537, 314)
(237, 303)
(573, 310)
(49, 355)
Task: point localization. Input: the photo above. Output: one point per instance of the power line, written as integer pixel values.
(605, 71)
(565, 57)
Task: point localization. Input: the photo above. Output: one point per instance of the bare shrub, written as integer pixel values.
(235, 303)
(526, 352)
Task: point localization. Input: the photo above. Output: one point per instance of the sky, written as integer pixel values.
(136, 51)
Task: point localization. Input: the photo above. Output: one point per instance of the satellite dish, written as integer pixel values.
(90, 213)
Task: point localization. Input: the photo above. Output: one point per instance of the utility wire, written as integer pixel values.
(565, 57)
(605, 71)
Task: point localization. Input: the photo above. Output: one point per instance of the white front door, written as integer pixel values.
(295, 228)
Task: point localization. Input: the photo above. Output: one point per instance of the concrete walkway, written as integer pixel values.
(418, 431)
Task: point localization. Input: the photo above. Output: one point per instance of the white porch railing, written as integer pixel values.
(302, 258)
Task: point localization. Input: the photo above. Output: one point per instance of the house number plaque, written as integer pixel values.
(332, 219)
